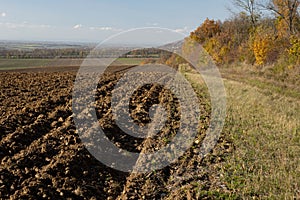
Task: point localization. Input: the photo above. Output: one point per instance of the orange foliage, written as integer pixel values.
(268, 42)
(207, 30)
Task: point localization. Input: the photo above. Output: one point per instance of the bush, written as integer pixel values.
(294, 51)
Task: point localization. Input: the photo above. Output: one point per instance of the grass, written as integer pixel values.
(268, 81)
(288, 92)
(266, 133)
(263, 122)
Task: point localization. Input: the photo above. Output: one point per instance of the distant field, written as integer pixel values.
(25, 46)
(13, 64)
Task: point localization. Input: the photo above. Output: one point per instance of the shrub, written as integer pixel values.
(294, 50)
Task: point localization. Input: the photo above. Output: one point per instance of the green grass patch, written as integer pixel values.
(270, 87)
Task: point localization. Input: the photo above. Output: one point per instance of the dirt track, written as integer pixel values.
(42, 156)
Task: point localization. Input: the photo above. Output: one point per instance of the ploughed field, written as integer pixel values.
(42, 155)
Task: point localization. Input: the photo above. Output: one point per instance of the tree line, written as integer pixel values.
(45, 53)
(264, 32)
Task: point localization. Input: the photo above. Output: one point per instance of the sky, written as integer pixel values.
(96, 20)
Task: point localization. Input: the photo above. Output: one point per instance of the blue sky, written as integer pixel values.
(95, 20)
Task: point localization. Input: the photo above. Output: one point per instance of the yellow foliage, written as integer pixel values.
(260, 48)
(261, 45)
(282, 27)
(175, 60)
(217, 50)
(212, 47)
(294, 50)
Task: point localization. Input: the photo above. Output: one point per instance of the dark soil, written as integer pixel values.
(42, 156)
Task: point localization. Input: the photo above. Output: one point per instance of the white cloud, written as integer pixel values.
(184, 30)
(153, 24)
(105, 28)
(3, 14)
(77, 26)
(23, 25)
(102, 28)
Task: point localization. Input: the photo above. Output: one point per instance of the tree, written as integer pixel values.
(250, 7)
(207, 30)
(264, 45)
(287, 12)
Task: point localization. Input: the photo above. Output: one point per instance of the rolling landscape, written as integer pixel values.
(47, 150)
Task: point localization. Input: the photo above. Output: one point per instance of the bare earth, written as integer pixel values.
(42, 155)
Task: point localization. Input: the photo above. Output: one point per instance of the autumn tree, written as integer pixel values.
(252, 38)
(250, 7)
(207, 30)
(287, 14)
(238, 30)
